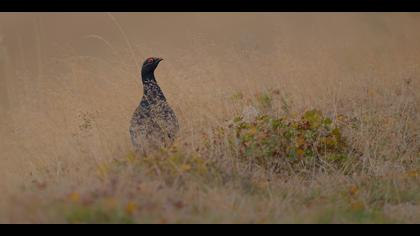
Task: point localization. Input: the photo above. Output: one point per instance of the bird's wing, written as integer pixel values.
(173, 125)
(146, 134)
(167, 120)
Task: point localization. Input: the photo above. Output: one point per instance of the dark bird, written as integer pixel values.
(154, 124)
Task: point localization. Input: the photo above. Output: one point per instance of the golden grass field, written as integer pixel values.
(69, 84)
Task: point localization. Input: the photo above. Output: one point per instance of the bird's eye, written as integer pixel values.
(150, 60)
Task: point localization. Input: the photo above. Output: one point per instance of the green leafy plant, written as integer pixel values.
(286, 144)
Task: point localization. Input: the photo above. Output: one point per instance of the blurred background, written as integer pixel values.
(69, 82)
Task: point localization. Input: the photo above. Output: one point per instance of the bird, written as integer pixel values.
(154, 124)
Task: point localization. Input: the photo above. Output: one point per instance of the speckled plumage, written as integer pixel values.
(154, 123)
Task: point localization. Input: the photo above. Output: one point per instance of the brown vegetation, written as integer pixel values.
(310, 117)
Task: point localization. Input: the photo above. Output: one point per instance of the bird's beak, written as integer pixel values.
(159, 60)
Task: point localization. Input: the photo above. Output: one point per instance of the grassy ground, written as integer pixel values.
(310, 119)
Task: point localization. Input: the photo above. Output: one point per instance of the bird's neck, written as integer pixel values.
(151, 89)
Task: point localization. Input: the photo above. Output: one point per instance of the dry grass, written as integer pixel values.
(64, 132)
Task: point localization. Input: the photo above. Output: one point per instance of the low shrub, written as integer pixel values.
(311, 142)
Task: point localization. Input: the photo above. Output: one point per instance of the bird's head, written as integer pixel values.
(150, 65)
